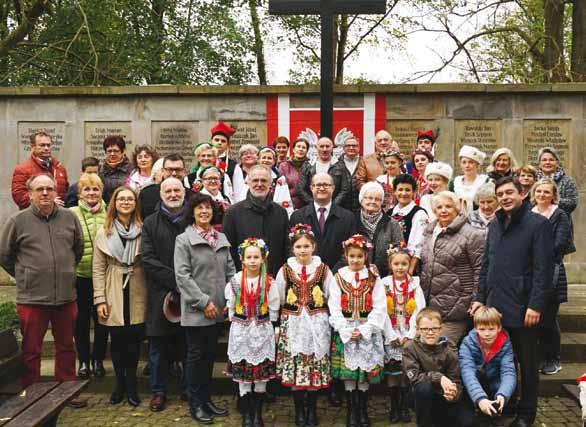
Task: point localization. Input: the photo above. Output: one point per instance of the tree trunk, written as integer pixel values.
(258, 43)
(555, 65)
(579, 41)
(157, 40)
(342, 41)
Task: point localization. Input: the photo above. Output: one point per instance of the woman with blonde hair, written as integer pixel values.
(120, 288)
(502, 163)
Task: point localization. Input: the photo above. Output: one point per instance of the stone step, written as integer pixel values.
(549, 385)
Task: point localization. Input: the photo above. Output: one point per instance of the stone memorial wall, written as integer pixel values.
(175, 118)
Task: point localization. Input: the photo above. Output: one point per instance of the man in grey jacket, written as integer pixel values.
(40, 247)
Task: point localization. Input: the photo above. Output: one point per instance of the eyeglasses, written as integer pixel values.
(321, 185)
(433, 330)
(173, 170)
(113, 151)
(125, 200)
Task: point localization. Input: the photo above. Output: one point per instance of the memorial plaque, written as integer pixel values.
(175, 137)
(26, 129)
(546, 133)
(486, 135)
(405, 133)
(96, 132)
(254, 133)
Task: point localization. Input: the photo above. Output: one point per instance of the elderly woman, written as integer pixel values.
(203, 266)
(206, 155)
(437, 175)
(280, 188)
(466, 185)
(120, 289)
(451, 259)
(527, 176)
(379, 229)
(116, 167)
(211, 178)
(502, 163)
(291, 169)
(549, 167)
(143, 159)
(487, 204)
(545, 197)
(91, 212)
(248, 157)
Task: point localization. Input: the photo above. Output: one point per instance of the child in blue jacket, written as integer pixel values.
(487, 365)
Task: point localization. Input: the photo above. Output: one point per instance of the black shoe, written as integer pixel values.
(133, 399)
(299, 400)
(395, 416)
(98, 369)
(257, 420)
(404, 414)
(200, 415)
(117, 395)
(311, 407)
(84, 370)
(363, 402)
(520, 422)
(333, 397)
(352, 409)
(158, 402)
(247, 409)
(214, 410)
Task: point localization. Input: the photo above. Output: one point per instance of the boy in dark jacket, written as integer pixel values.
(430, 362)
(487, 366)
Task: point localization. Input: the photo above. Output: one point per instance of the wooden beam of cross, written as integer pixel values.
(327, 9)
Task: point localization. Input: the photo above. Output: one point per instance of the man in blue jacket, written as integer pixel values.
(516, 279)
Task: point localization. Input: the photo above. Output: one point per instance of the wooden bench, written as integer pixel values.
(40, 404)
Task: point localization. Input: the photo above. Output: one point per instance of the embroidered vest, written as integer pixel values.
(356, 303)
(251, 309)
(308, 294)
(400, 304)
(406, 222)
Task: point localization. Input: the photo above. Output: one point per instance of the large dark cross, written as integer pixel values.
(327, 9)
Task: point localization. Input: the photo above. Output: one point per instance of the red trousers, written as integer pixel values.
(34, 321)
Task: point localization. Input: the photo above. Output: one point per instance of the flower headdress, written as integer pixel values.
(253, 241)
(357, 241)
(401, 248)
(391, 152)
(300, 229)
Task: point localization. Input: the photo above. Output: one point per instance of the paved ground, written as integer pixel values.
(553, 412)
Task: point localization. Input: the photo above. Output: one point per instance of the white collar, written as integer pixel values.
(217, 198)
(397, 210)
(349, 275)
(328, 208)
(296, 267)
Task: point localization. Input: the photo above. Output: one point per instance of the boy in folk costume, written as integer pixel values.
(221, 134)
(405, 300)
(252, 305)
(303, 346)
(357, 314)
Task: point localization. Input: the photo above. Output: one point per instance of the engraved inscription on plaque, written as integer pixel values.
(96, 132)
(405, 133)
(254, 133)
(175, 137)
(546, 133)
(26, 129)
(486, 135)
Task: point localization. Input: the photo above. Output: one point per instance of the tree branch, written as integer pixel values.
(29, 19)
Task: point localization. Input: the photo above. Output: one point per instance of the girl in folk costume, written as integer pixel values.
(357, 314)
(404, 299)
(303, 346)
(253, 304)
(393, 163)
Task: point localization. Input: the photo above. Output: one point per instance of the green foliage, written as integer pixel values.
(8, 316)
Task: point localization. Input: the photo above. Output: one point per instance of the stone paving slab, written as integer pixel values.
(556, 411)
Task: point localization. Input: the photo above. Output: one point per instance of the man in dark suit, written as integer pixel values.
(330, 223)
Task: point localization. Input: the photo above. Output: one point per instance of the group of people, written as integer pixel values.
(332, 273)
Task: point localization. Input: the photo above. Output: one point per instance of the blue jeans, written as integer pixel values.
(162, 350)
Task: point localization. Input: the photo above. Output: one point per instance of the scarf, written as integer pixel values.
(210, 235)
(124, 254)
(370, 221)
(298, 163)
(259, 206)
(555, 176)
(114, 165)
(174, 217)
(91, 209)
(44, 163)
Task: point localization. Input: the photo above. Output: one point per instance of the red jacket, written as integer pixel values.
(31, 167)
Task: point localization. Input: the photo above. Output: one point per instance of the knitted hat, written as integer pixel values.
(549, 150)
(472, 153)
(224, 129)
(439, 168)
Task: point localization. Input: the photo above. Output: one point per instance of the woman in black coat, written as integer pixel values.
(377, 227)
(545, 197)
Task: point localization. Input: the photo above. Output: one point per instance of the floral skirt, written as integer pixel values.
(244, 372)
(303, 371)
(340, 371)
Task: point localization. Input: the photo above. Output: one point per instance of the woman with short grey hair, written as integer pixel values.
(247, 158)
(487, 203)
(451, 259)
(377, 227)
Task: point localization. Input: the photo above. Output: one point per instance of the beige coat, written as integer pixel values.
(107, 279)
(368, 169)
